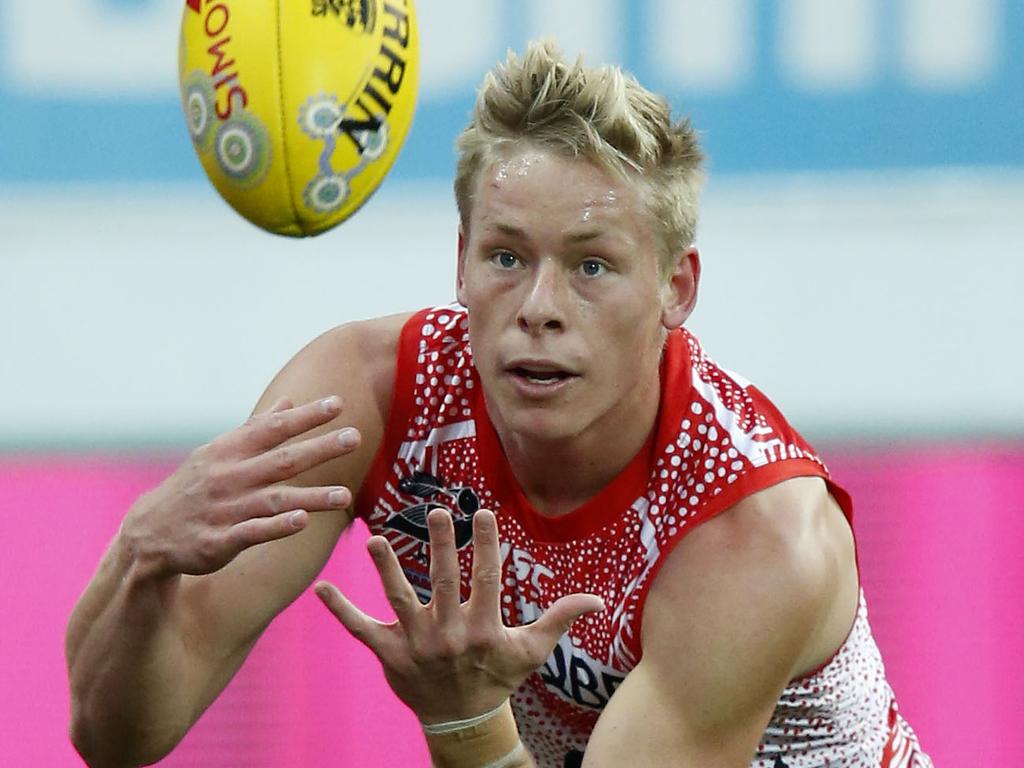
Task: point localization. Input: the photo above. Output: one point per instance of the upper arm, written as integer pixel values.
(227, 610)
(744, 604)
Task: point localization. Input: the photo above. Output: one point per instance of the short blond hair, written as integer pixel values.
(601, 114)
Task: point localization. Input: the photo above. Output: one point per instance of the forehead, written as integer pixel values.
(537, 188)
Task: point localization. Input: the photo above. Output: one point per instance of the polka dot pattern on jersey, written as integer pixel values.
(718, 440)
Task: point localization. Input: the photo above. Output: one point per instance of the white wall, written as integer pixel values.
(870, 305)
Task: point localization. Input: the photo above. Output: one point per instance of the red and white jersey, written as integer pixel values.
(718, 439)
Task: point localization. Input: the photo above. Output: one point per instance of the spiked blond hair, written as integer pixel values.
(600, 114)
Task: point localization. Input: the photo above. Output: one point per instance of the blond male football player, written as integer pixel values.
(602, 548)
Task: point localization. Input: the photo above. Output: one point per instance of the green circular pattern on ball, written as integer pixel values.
(198, 99)
(326, 194)
(242, 149)
(376, 142)
(319, 116)
(324, 119)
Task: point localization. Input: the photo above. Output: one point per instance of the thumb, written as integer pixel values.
(560, 616)
(362, 627)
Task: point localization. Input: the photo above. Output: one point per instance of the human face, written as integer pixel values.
(560, 273)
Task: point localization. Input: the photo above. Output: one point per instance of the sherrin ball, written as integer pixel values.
(298, 108)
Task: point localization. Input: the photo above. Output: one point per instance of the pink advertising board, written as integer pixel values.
(940, 532)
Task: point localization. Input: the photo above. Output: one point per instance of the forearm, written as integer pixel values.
(127, 665)
(493, 743)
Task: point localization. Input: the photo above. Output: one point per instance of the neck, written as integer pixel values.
(557, 476)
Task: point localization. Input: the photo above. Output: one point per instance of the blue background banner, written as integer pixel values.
(762, 120)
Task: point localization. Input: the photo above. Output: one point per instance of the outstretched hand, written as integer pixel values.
(449, 660)
(234, 492)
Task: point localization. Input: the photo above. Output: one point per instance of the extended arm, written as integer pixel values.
(747, 602)
(203, 563)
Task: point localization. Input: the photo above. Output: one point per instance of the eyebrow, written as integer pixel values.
(576, 237)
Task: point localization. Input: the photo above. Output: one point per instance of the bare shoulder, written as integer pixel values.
(747, 601)
(358, 355)
(790, 530)
(376, 342)
(762, 593)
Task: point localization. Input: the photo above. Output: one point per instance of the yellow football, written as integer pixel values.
(298, 108)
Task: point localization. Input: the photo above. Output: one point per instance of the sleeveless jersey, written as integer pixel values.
(717, 440)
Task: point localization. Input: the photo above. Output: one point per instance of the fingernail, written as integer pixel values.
(331, 403)
(438, 517)
(338, 498)
(377, 546)
(297, 518)
(348, 437)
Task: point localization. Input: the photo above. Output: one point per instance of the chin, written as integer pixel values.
(540, 424)
(545, 430)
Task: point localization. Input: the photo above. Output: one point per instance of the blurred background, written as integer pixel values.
(863, 264)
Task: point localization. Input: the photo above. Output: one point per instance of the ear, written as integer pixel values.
(680, 292)
(460, 276)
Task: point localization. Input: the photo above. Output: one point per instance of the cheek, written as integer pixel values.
(483, 287)
(484, 336)
(631, 320)
(628, 353)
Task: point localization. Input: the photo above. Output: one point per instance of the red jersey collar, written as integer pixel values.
(622, 491)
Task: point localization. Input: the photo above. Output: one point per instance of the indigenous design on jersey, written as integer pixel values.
(460, 502)
(717, 440)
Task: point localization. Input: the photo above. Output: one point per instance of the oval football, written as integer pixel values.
(298, 108)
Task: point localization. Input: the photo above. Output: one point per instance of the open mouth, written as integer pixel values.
(540, 376)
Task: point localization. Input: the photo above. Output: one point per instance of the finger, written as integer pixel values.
(281, 404)
(485, 586)
(557, 619)
(397, 589)
(260, 530)
(362, 627)
(283, 498)
(282, 422)
(445, 575)
(287, 461)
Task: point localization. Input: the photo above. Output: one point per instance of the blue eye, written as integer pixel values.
(506, 260)
(593, 268)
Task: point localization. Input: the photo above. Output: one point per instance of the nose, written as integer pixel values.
(543, 307)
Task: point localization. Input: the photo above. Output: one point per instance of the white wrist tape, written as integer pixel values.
(509, 759)
(452, 726)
